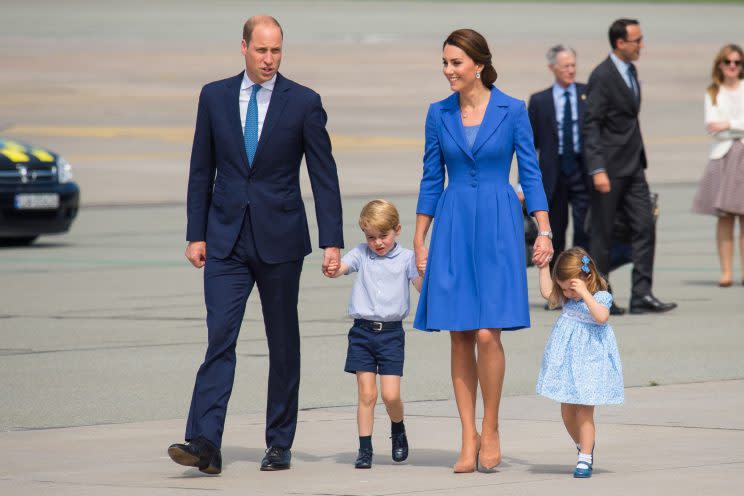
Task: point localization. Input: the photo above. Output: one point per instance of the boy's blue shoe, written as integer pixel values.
(364, 459)
(400, 446)
(583, 470)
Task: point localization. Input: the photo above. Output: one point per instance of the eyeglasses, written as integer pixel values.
(735, 63)
(637, 40)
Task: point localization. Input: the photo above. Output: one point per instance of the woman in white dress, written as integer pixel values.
(721, 189)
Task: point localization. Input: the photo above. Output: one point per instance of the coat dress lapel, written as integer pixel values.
(495, 114)
(453, 123)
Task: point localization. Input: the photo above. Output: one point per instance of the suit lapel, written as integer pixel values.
(552, 117)
(580, 103)
(279, 98)
(453, 122)
(232, 112)
(495, 114)
(620, 81)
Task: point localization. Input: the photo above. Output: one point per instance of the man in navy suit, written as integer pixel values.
(616, 161)
(556, 115)
(246, 226)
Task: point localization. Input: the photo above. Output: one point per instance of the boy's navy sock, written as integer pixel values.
(365, 442)
(397, 427)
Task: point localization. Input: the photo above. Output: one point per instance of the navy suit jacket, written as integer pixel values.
(611, 131)
(541, 109)
(222, 185)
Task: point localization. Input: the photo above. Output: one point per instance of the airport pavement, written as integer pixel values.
(103, 328)
(683, 439)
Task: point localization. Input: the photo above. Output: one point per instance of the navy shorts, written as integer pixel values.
(379, 351)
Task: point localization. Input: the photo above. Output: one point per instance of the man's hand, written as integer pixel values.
(601, 182)
(331, 258)
(196, 252)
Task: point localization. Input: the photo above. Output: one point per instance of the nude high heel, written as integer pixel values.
(490, 463)
(468, 467)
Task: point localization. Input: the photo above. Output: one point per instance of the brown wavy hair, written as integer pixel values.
(568, 266)
(475, 46)
(717, 73)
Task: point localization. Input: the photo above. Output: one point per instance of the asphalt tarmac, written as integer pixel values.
(104, 326)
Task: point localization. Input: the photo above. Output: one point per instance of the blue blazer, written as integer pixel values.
(222, 185)
(545, 128)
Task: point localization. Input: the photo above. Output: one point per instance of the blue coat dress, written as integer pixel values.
(475, 276)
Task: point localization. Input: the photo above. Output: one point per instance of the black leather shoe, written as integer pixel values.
(364, 459)
(400, 447)
(616, 310)
(198, 453)
(276, 459)
(650, 304)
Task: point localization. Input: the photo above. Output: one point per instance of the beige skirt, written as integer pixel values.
(721, 189)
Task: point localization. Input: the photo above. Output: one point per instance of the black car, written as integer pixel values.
(37, 193)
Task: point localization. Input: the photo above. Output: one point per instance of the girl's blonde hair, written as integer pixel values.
(717, 74)
(568, 266)
(380, 215)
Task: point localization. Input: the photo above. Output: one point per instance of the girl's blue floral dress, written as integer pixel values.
(581, 364)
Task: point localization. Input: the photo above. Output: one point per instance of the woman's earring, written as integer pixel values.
(477, 75)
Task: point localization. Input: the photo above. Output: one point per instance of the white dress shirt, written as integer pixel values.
(623, 68)
(729, 108)
(262, 99)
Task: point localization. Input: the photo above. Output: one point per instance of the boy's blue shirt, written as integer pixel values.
(381, 291)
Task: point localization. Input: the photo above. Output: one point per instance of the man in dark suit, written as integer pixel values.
(616, 161)
(246, 226)
(556, 114)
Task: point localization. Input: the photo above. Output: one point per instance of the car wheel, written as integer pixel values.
(17, 241)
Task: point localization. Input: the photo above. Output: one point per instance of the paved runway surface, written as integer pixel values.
(104, 327)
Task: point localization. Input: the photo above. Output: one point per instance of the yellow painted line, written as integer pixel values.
(185, 135)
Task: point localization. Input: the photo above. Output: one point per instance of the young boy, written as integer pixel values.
(379, 302)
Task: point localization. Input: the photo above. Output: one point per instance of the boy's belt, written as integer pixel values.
(372, 325)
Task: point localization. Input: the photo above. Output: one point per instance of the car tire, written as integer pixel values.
(17, 241)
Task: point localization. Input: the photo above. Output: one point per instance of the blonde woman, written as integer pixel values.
(721, 189)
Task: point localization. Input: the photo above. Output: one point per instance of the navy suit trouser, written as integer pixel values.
(227, 284)
(570, 190)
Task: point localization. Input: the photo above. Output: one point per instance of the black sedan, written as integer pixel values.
(37, 193)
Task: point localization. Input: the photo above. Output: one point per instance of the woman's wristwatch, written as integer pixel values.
(547, 234)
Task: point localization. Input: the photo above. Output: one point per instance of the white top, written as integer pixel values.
(262, 100)
(729, 108)
(381, 291)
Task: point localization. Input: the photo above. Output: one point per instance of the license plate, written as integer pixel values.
(37, 201)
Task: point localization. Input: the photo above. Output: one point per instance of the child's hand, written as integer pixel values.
(332, 268)
(579, 286)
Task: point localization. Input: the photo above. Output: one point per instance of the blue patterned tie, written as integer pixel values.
(250, 133)
(568, 159)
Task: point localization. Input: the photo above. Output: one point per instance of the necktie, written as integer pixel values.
(250, 133)
(633, 80)
(568, 159)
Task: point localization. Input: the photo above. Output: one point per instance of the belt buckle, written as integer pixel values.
(377, 326)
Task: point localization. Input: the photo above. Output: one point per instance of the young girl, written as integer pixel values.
(581, 365)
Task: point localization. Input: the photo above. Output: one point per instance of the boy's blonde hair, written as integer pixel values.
(380, 215)
(568, 266)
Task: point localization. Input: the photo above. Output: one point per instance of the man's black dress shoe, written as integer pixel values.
(276, 459)
(400, 447)
(650, 303)
(198, 453)
(616, 310)
(364, 459)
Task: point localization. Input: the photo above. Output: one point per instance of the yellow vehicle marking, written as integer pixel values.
(15, 155)
(42, 155)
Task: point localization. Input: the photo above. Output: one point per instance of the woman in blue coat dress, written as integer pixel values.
(475, 281)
